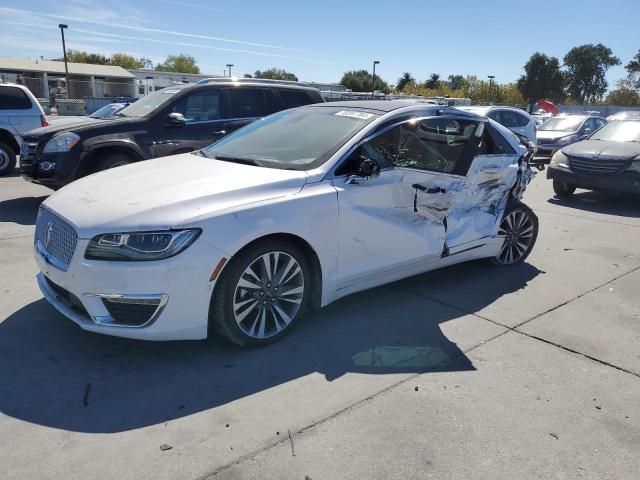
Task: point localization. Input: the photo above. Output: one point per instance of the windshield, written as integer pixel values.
(299, 139)
(106, 111)
(619, 131)
(562, 124)
(149, 103)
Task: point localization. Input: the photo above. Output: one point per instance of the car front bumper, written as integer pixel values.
(545, 152)
(179, 287)
(53, 170)
(625, 181)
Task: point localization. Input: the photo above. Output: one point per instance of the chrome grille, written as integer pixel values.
(601, 166)
(27, 152)
(55, 236)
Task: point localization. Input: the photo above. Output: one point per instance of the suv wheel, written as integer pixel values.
(261, 294)
(519, 229)
(113, 161)
(7, 159)
(563, 189)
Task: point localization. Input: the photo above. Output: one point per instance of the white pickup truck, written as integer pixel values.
(19, 113)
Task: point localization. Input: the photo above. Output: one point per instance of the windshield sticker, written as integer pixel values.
(352, 114)
(170, 91)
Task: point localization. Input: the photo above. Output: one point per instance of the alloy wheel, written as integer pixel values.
(268, 295)
(4, 159)
(517, 229)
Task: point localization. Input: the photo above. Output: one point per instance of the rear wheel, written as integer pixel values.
(519, 229)
(563, 189)
(262, 293)
(7, 159)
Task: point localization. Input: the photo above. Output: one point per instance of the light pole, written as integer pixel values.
(373, 77)
(229, 65)
(491, 77)
(62, 26)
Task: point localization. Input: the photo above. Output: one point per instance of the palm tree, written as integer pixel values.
(404, 80)
(433, 82)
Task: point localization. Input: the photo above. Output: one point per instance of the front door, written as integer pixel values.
(204, 124)
(397, 219)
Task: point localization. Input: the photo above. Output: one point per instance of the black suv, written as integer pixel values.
(177, 119)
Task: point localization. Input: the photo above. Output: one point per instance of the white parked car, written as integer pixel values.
(292, 211)
(19, 113)
(515, 119)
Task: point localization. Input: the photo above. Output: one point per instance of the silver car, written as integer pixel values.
(563, 130)
(516, 120)
(19, 113)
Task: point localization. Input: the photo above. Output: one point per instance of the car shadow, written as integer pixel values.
(22, 210)
(57, 375)
(622, 205)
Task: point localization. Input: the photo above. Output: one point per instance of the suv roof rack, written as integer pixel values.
(249, 80)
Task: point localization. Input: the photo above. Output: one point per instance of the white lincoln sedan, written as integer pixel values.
(289, 213)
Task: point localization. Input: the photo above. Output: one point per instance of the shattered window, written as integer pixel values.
(440, 144)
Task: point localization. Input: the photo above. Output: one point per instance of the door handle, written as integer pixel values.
(220, 132)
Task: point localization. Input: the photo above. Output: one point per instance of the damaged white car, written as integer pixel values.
(293, 211)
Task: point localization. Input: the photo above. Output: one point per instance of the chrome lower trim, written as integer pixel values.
(50, 259)
(109, 321)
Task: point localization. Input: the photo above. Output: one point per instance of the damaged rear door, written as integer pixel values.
(392, 222)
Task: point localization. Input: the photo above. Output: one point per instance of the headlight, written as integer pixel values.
(140, 246)
(559, 158)
(61, 143)
(634, 167)
(567, 140)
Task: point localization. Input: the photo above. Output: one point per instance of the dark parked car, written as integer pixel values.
(608, 160)
(177, 119)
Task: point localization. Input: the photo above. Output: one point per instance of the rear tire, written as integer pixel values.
(7, 159)
(519, 228)
(261, 294)
(563, 189)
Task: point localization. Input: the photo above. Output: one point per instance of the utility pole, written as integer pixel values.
(491, 77)
(373, 77)
(229, 65)
(62, 26)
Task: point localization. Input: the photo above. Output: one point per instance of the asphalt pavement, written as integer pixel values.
(470, 372)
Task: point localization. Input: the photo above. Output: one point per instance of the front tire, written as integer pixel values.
(113, 161)
(7, 159)
(563, 189)
(262, 293)
(519, 229)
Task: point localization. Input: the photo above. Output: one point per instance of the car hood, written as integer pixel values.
(603, 149)
(76, 124)
(552, 134)
(166, 193)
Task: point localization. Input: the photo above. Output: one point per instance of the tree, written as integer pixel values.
(276, 74)
(404, 80)
(118, 59)
(456, 82)
(433, 82)
(179, 63)
(360, 81)
(624, 97)
(587, 66)
(126, 61)
(633, 67)
(542, 79)
(78, 56)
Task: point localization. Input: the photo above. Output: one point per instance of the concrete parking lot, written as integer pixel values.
(472, 372)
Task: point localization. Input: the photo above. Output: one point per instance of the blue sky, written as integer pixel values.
(320, 40)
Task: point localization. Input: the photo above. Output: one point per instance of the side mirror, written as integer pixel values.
(175, 119)
(586, 132)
